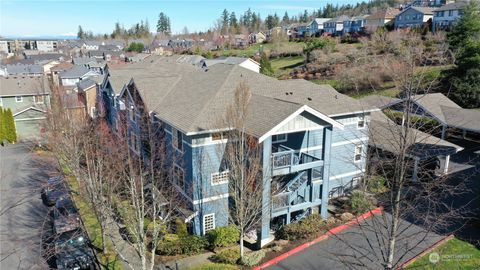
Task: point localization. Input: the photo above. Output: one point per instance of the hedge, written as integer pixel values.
(223, 236)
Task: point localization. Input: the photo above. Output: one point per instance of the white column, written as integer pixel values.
(444, 131)
(447, 162)
(415, 170)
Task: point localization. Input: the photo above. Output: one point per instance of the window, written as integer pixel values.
(216, 136)
(134, 141)
(19, 99)
(131, 114)
(361, 122)
(220, 178)
(358, 153)
(208, 222)
(93, 112)
(39, 99)
(279, 138)
(177, 139)
(179, 177)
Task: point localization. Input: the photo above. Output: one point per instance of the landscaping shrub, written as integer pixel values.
(306, 228)
(253, 258)
(230, 256)
(169, 245)
(223, 236)
(359, 202)
(193, 244)
(376, 184)
(172, 244)
(180, 228)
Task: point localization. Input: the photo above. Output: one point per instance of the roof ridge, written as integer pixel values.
(217, 93)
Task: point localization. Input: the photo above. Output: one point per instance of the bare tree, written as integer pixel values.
(243, 159)
(416, 208)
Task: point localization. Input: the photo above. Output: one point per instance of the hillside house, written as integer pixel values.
(315, 27)
(313, 138)
(413, 17)
(335, 25)
(446, 16)
(355, 24)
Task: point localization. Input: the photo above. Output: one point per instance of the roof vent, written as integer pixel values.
(286, 93)
(336, 97)
(291, 93)
(206, 69)
(309, 98)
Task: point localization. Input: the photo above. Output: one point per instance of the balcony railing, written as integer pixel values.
(285, 160)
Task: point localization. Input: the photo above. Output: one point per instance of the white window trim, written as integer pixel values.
(36, 99)
(183, 174)
(213, 219)
(361, 119)
(1, 102)
(18, 101)
(175, 144)
(134, 140)
(355, 153)
(227, 172)
(282, 140)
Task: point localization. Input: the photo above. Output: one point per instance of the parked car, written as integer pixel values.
(54, 190)
(65, 216)
(72, 251)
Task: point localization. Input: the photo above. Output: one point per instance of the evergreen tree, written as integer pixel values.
(285, 19)
(265, 65)
(232, 21)
(163, 24)
(80, 33)
(464, 39)
(2, 125)
(225, 18)
(10, 131)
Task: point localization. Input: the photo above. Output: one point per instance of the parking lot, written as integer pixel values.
(24, 220)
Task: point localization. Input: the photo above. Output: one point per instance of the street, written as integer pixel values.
(23, 217)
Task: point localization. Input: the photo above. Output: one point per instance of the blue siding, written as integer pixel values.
(218, 207)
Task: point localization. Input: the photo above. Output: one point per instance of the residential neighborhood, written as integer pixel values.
(277, 137)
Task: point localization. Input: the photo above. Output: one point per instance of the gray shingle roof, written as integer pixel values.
(192, 99)
(453, 6)
(379, 101)
(17, 86)
(20, 69)
(433, 102)
(74, 72)
(386, 135)
(86, 84)
(83, 60)
(462, 118)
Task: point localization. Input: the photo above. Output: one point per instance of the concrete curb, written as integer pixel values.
(320, 238)
(428, 250)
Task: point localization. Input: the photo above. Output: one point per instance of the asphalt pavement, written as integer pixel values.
(23, 217)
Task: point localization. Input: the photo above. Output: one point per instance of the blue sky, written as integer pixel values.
(61, 17)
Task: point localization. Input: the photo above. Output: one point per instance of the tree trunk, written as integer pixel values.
(241, 245)
(393, 230)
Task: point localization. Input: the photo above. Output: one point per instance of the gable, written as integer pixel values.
(303, 121)
(29, 114)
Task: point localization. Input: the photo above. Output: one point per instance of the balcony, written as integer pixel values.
(286, 161)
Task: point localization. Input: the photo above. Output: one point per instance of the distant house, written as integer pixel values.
(93, 64)
(355, 24)
(413, 17)
(47, 57)
(247, 63)
(240, 40)
(380, 19)
(29, 100)
(77, 73)
(23, 70)
(446, 16)
(316, 26)
(335, 25)
(92, 45)
(87, 94)
(259, 37)
(63, 66)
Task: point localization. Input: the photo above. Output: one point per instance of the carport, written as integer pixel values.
(384, 135)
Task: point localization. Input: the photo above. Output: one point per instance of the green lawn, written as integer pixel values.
(284, 65)
(215, 266)
(454, 254)
(109, 260)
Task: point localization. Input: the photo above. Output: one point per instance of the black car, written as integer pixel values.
(72, 251)
(65, 216)
(54, 190)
